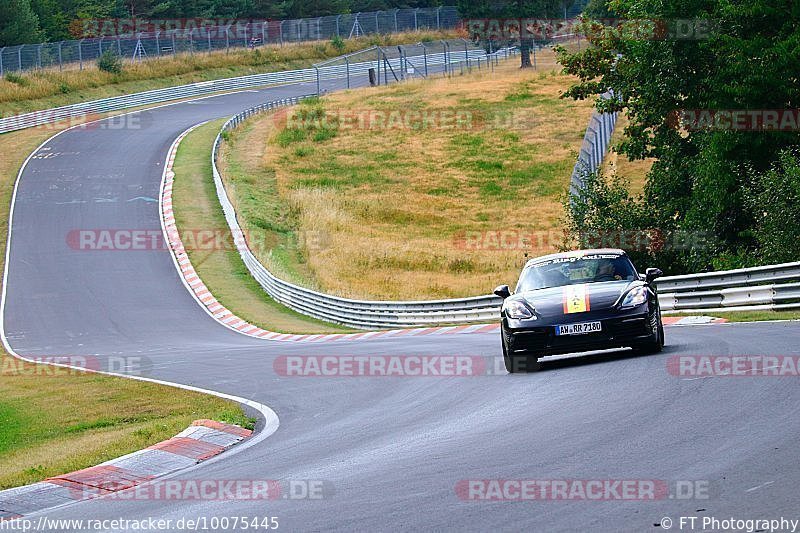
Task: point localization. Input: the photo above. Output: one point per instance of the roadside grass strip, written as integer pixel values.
(199, 442)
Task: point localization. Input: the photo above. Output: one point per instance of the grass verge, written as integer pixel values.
(749, 316)
(44, 89)
(53, 424)
(220, 267)
(412, 212)
(57, 421)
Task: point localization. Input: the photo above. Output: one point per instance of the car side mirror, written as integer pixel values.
(651, 274)
(503, 291)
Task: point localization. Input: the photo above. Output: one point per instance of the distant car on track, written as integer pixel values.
(579, 301)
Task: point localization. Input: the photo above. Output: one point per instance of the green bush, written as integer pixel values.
(110, 62)
(338, 43)
(16, 78)
(774, 199)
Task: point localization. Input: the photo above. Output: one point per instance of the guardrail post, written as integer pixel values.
(316, 69)
(347, 68)
(425, 59)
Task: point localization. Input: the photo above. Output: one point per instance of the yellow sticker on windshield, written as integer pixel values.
(576, 299)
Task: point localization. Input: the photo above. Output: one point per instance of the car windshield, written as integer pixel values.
(562, 271)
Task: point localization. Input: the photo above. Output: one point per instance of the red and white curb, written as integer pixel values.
(197, 443)
(226, 317)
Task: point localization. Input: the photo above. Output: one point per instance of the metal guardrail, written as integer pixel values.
(593, 149)
(743, 289)
(773, 287)
(116, 103)
(239, 34)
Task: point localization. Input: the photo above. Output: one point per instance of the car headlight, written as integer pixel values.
(636, 296)
(517, 310)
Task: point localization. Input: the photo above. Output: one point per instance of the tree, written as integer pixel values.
(19, 23)
(745, 60)
(522, 11)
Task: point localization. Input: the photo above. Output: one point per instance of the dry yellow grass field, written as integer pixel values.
(635, 172)
(411, 212)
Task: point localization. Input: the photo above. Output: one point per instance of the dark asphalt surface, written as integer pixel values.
(393, 449)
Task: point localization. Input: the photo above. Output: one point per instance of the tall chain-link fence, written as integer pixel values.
(192, 36)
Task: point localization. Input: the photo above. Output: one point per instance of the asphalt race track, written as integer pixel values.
(392, 449)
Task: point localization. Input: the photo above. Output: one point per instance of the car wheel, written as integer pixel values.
(518, 363)
(656, 344)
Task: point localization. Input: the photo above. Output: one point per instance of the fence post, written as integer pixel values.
(263, 35)
(173, 44)
(80, 54)
(227, 39)
(416, 27)
(119, 46)
(19, 56)
(280, 28)
(1, 59)
(39, 56)
(100, 45)
(208, 39)
(395, 20)
(158, 44)
(60, 64)
(377, 29)
(438, 9)
(319, 28)
(337, 25)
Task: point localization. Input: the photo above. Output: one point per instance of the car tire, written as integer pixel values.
(518, 363)
(656, 344)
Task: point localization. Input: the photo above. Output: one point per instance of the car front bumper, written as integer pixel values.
(617, 331)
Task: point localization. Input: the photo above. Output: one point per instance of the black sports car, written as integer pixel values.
(579, 301)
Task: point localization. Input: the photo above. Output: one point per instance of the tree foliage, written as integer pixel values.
(33, 21)
(742, 56)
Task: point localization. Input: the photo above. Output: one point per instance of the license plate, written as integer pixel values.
(579, 329)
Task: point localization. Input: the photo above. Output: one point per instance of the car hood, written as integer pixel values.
(550, 301)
